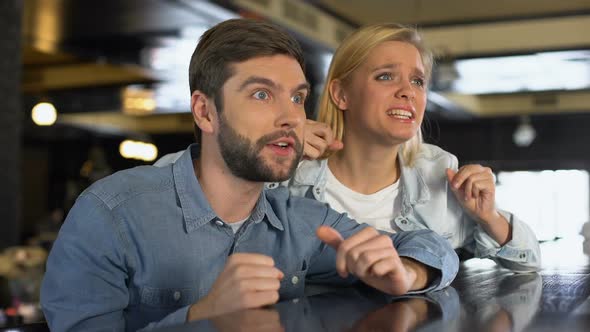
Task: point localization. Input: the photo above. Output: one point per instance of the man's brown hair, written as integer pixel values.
(234, 41)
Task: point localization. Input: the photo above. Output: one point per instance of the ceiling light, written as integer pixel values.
(525, 133)
(44, 114)
(138, 150)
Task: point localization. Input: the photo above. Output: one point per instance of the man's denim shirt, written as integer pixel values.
(428, 203)
(142, 245)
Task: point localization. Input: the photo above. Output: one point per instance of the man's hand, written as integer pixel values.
(372, 258)
(319, 138)
(247, 281)
(475, 188)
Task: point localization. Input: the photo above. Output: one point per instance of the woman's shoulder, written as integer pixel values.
(308, 171)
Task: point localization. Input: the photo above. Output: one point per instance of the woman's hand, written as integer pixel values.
(475, 188)
(319, 138)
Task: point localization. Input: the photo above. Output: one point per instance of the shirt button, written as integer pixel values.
(317, 191)
(176, 296)
(404, 221)
(219, 222)
(522, 255)
(294, 280)
(272, 185)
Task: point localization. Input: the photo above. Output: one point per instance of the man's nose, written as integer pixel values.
(291, 115)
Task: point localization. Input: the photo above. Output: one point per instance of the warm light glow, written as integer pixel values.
(138, 150)
(138, 101)
(44, 114)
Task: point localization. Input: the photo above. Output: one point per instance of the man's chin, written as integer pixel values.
(282, 171)
(280, 176)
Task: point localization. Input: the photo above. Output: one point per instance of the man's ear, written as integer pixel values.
(204, 111)
(337, 94)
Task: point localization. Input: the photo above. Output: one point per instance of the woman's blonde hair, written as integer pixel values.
(353, 51)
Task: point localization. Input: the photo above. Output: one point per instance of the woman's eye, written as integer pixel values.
(262, 95)
(298, 99)
(384, 77)
(418, 81)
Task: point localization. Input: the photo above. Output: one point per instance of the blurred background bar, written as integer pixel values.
(92, 87)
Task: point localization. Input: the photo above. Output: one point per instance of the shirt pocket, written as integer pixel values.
(293, 284)
(167, 297)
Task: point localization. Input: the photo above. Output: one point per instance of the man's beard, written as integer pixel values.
(243, 157)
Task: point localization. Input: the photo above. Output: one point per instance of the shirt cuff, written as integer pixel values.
(446, 265)
(521, 253)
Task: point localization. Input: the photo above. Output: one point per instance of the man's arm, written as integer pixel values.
(85, 285)
(427, 260)
(84, 282)
(371, 257)
(248, 281)
(425, 275)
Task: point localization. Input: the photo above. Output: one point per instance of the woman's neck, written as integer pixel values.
(365, 168)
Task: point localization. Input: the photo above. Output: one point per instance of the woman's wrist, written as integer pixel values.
(497, 226)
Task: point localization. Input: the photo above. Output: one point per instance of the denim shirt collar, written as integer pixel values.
(195, 207)
(414, 188)
(311, 173)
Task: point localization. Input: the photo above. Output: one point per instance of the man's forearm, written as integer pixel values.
(424, 275)
(197, 311)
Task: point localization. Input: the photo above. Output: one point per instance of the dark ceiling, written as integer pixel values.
(82, 54)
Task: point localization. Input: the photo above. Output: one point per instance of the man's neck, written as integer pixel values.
(232, 198)
(365, 168)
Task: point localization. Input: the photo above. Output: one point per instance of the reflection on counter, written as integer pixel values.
(350, 309)
(510, 305)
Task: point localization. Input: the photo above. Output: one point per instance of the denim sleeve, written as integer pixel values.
(424, 246)
(520, 254)
(84, 287)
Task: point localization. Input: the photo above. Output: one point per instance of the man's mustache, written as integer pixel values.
(264, 140)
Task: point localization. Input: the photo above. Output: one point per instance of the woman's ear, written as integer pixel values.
(337, 94)
(203, 109)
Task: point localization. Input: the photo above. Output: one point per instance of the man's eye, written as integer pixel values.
(418, 82)
(384, 77)
(298, 99)
(261, 94)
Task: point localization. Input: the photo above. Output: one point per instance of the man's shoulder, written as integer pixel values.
(126, 184)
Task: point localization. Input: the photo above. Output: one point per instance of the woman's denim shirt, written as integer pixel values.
(428, 203)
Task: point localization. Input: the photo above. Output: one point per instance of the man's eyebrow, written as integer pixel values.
(270, 83)
(258, 80)
(303, 86)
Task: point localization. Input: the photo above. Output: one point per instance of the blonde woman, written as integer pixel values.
(373, 102)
